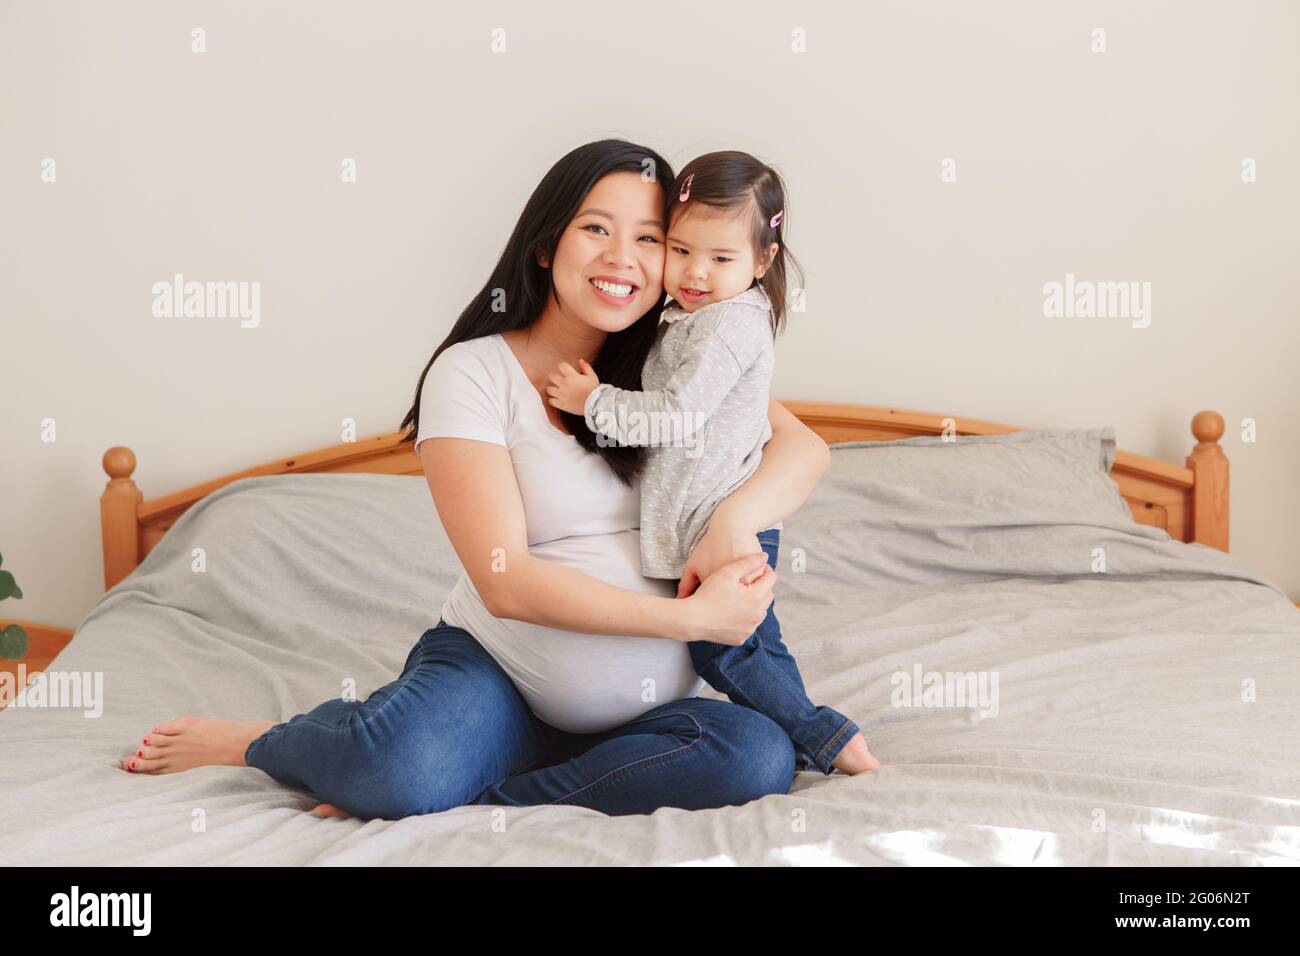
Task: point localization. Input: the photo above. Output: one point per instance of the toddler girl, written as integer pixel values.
(702, 414)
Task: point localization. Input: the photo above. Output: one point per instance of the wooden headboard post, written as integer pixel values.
(119, 513)
(1210, 489)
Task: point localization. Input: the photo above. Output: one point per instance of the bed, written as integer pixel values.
(1042, 637)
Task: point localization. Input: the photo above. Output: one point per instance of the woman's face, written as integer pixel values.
(616, 240)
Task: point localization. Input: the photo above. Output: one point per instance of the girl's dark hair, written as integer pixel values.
(524, 285)
(732, 180)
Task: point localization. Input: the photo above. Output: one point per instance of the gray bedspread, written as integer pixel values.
(1147, 714)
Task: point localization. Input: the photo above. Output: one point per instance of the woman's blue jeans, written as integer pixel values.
(762, 675)
(453, 730)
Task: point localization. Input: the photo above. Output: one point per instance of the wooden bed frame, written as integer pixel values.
(1190, 503)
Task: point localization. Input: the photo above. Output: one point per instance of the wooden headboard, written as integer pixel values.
(1189, 502)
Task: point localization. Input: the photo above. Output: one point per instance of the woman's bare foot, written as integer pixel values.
(189, 742)
(329, 810)
(855, 757)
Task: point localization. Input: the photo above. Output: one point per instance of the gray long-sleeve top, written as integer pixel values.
(702, 412)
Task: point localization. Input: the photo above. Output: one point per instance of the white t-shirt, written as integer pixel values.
(578, 514)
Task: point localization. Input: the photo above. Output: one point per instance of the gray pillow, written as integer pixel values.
(1059, 472)
(925, 513)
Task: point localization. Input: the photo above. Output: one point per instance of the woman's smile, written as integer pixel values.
(618, 292)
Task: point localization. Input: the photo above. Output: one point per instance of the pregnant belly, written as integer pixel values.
(583, 683)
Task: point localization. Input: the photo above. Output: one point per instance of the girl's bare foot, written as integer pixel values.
(188, 742)
(855, 757)
(329, 810)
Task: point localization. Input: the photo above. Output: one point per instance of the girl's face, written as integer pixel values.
(710, 256)
(609, 262)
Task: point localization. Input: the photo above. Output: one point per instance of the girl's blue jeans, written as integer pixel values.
(453, 730)
(762, 675)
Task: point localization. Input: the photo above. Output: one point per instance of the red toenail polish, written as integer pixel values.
(139, 753)
(132, 764)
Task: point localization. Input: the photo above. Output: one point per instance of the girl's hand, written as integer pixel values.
(728, 607)
(720, 544)
(570, 387)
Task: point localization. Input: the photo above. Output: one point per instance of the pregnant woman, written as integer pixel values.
(557, 674)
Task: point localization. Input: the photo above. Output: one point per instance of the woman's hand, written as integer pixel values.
(721, 543)
(730, 604)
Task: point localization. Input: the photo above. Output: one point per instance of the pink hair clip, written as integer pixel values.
(775, 220)
(686, 188)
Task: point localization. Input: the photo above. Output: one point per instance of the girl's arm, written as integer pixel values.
(709, 367)
(477, 498)
(793, 461)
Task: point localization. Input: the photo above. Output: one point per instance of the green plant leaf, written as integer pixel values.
(8, 586)
(13, 642)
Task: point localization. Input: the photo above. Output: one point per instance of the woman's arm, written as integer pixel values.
(794, 459)
(477, 498)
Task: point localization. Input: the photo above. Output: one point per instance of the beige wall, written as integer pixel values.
(1112, 166)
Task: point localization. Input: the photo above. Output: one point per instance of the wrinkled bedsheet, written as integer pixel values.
(1146, 715)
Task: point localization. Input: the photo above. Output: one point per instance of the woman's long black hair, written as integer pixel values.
(525, 284)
